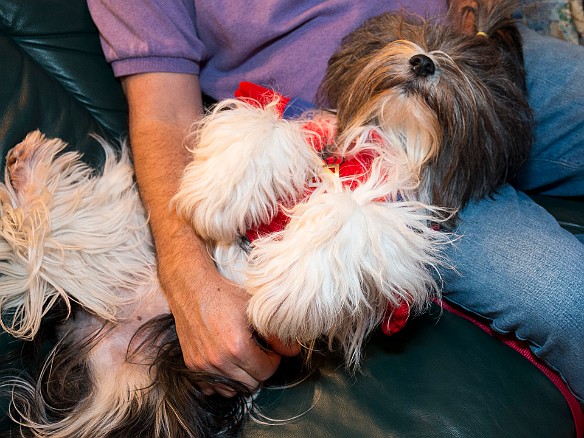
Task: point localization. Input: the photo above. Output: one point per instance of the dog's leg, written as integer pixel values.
(246, 161)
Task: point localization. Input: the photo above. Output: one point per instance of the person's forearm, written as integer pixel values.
(209, 311)
(157, 135)
(173, 237)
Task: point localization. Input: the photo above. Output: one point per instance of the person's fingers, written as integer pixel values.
(222, 390)
(245, 363)
(258, 363)
(206, 389)
(284, 349)
(274, 345)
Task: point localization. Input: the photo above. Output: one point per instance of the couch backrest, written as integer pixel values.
(53, 76)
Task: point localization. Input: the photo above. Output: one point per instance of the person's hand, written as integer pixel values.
(211, 322)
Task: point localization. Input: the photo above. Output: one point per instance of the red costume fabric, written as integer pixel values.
(395, 317)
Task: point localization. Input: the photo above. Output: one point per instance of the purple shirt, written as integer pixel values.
(280, 44)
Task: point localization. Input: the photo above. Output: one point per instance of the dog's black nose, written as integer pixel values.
(422, 65)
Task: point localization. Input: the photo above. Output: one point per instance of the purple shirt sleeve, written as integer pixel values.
(148, 35)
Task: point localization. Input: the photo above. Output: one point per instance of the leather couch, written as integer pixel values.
(442, 376)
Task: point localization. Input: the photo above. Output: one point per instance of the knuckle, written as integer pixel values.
(238, 348)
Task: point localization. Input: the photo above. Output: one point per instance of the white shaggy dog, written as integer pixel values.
(352, 242)
(73, 238)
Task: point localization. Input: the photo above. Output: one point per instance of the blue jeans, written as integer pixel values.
(516, 265)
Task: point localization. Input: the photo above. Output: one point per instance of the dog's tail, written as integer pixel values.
(246, 160)
(151, 394)
(343, 258)
(68, 234)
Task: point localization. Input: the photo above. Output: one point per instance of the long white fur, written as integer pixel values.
(231, 261)
(250, 160)
(52, 206)
(46, 206)
(344, 256)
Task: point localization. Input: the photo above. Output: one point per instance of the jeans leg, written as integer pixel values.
(517, 267)
(555, 86)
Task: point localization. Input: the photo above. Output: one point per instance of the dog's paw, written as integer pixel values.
(24, 160)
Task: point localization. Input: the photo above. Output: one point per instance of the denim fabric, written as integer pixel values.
(555, 81)
(515, 265)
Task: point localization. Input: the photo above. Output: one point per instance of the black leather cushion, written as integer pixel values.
(54, 77)
(441, 377)
(568, 212)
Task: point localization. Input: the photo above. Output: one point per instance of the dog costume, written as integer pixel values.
(335, 243)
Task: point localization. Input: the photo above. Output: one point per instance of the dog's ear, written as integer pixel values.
(502, 138)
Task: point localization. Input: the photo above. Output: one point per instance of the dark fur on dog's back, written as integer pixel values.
(200, 415)
(54, 393)
(477, 94)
